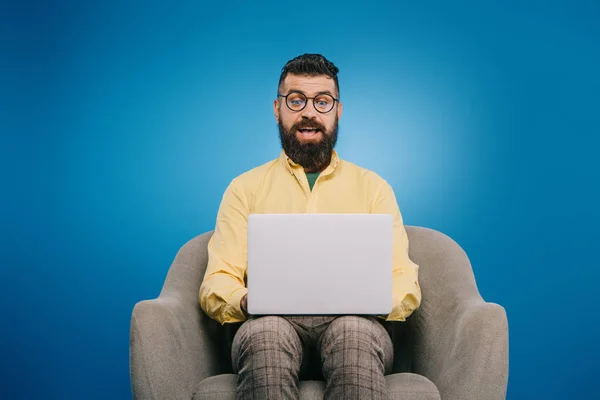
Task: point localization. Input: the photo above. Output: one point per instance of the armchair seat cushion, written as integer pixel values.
(400, 386)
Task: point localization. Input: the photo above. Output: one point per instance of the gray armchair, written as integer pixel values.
(454, 347)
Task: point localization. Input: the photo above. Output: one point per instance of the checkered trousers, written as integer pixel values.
(352, 354)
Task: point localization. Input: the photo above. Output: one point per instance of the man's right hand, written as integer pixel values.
(244, 304)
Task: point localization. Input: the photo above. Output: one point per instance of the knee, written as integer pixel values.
(268, 334)
(357, 338)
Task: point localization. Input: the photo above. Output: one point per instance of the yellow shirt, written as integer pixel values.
(281, 186)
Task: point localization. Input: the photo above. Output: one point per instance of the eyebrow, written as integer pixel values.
(316, 94)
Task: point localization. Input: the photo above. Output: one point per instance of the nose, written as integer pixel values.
(309, 111)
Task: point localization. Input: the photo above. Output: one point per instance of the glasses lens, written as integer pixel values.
(324, 102)
(296, 101)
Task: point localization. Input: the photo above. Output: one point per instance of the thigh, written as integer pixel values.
(356, 337)
(268, 334)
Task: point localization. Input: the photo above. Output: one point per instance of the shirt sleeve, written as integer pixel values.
(224, 282)
(406, 296)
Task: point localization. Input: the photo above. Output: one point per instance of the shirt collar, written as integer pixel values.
(291, 165)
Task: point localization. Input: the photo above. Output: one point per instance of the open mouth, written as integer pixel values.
(308, 132)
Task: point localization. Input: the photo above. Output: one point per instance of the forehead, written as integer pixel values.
(309, 85)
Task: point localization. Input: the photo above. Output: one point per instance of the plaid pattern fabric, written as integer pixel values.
(271, 354)
(356, 354)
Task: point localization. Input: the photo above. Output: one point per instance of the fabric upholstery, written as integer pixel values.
(400, 386)
(455, 342)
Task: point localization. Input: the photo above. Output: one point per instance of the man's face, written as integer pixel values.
(308, 136)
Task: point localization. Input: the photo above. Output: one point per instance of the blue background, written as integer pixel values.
(123, 124)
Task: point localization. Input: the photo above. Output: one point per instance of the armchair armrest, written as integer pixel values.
(466, 355)
(460, 341)
(172, 347)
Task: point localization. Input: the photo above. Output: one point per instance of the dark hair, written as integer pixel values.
(311, 65)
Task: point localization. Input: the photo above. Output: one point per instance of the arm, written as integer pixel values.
(406, 291)
(467, 358)
(172, 343)
(460, 341)
(224, 284)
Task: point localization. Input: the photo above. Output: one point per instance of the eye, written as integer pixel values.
(323, 101)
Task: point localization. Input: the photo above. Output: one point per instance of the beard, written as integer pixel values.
(312, 156)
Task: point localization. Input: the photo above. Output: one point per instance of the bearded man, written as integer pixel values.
(271, 354)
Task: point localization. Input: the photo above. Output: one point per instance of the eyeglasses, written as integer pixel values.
(296, 101)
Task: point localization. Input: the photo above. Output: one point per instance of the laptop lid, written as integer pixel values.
(319, 264)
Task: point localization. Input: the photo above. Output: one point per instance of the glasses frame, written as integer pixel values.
(309, 98)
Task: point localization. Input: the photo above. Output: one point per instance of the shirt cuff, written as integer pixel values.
(235, 313)
(398, 314)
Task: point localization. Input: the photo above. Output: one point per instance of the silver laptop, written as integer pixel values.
(319, 264)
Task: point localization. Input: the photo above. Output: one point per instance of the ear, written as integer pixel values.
(276, 109)
(339, 110)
